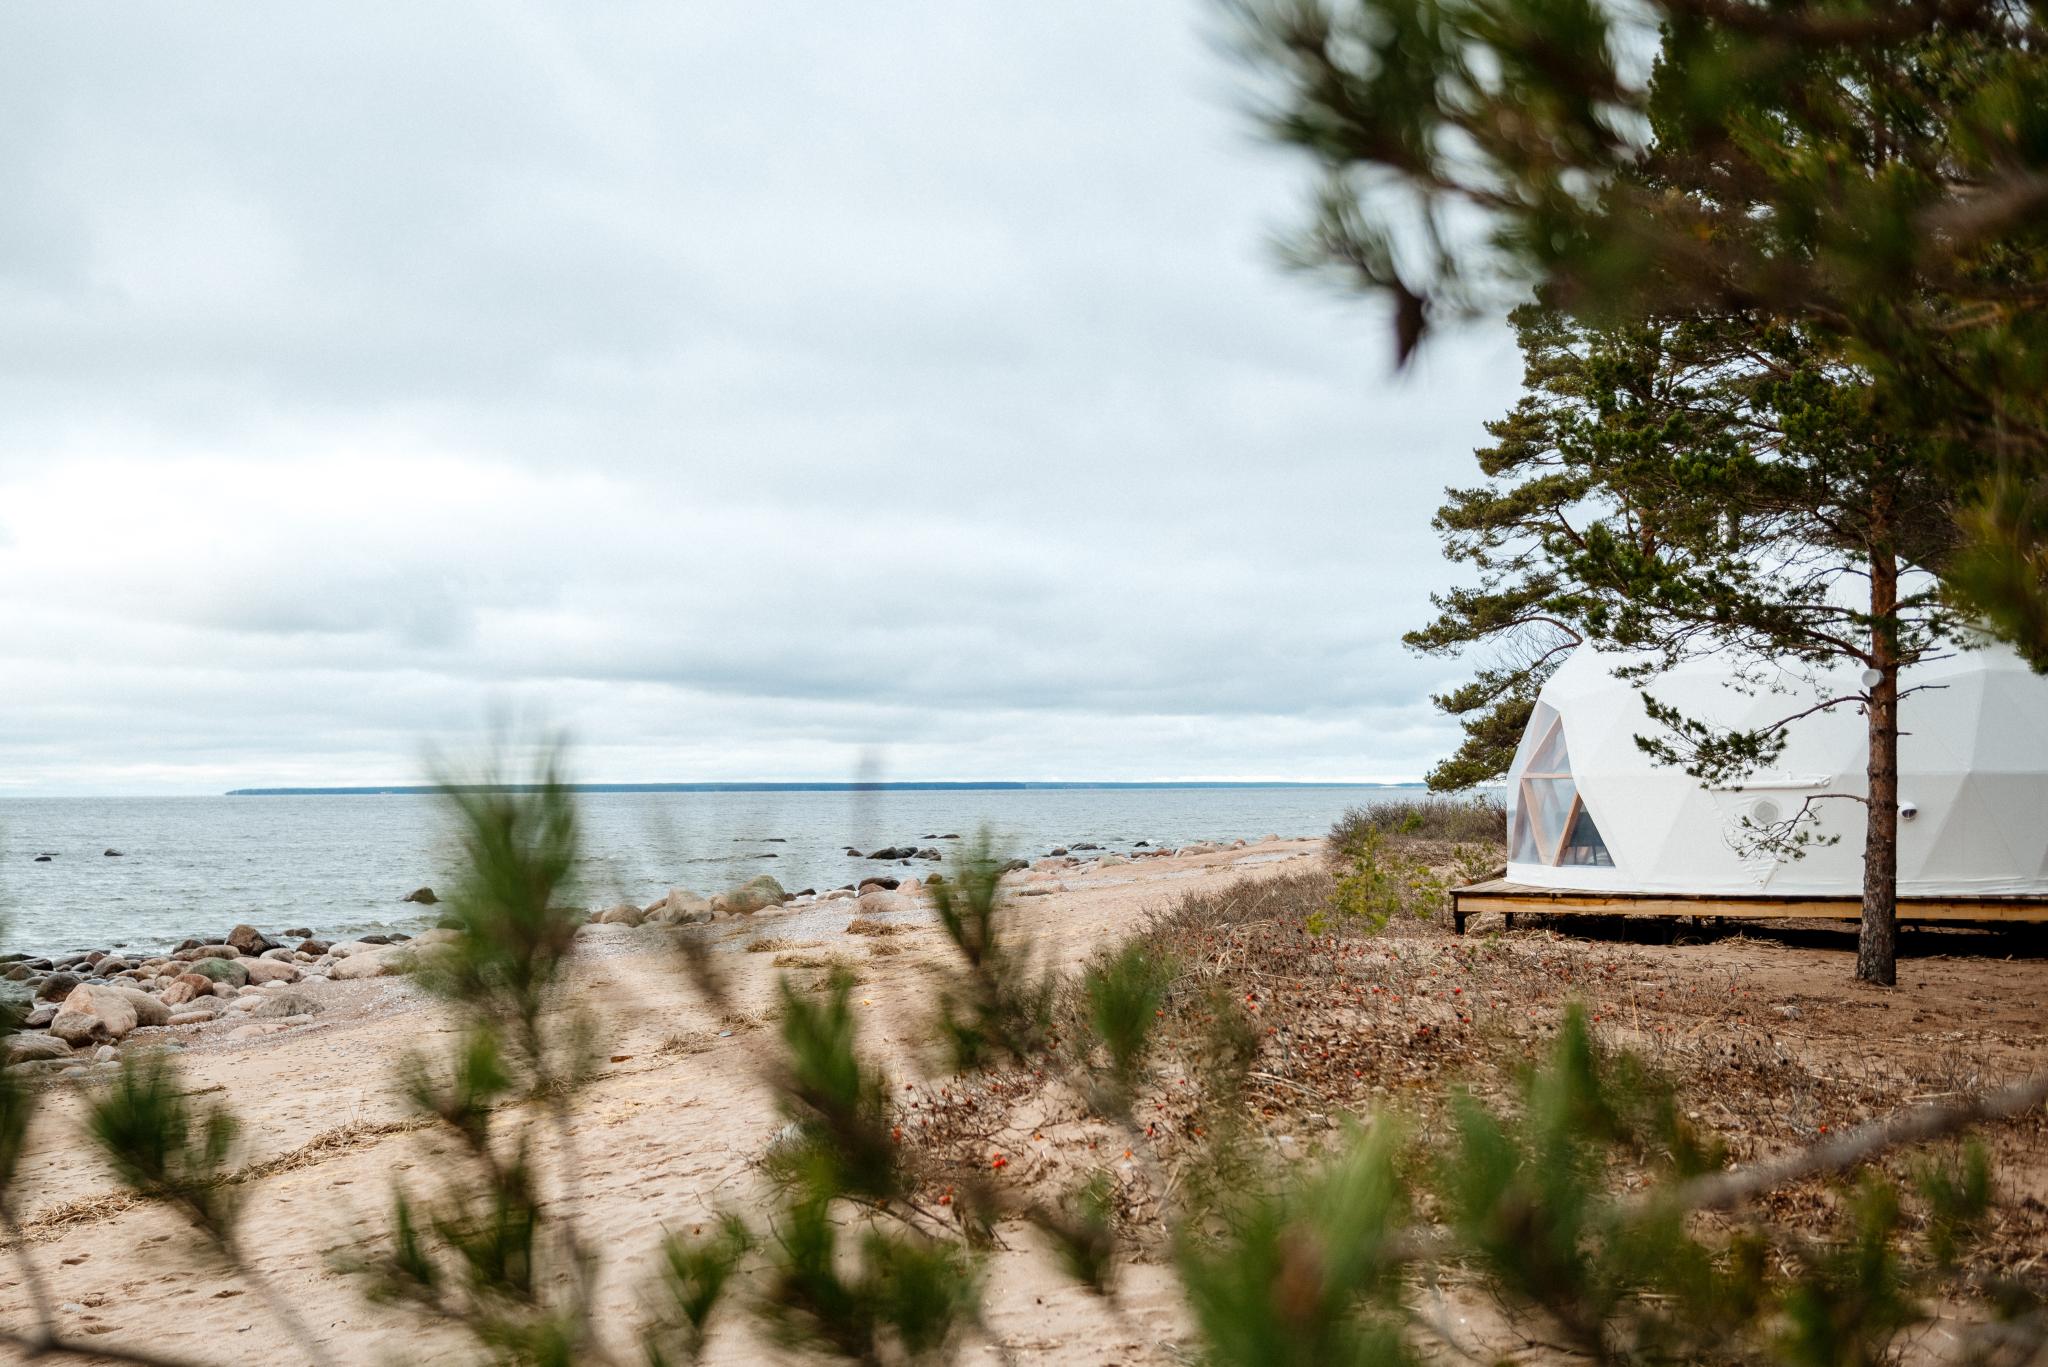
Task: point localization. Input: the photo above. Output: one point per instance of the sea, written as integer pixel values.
(342, 864)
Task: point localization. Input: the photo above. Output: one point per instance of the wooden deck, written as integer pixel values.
(1510, 898)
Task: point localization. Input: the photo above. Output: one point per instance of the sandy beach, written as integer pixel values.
(669, 1134)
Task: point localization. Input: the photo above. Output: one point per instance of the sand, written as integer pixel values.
(669, 1134)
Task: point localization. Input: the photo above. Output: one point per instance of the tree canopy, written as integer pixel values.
(1869, 175)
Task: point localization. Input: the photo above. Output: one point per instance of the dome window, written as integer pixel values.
(1550, 823)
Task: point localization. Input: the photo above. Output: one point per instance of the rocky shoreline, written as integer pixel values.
(76, 1009)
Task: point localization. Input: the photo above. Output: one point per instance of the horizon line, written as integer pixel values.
(765, 786)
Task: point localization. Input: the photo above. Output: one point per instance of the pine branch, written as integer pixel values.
(1721, 1190)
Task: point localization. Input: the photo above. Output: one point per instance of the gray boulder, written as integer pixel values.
(275, 1005)
(26, 1048)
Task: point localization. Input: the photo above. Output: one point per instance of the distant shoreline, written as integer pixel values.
(429, 789)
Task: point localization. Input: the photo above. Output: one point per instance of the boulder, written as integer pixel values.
(677, 899)
(262, 971)
(198, 1013)
(25, 1048)
(424, 896)
(281, 954)
(877, 902)
(230, 971)
(299, 934)
(178, 992)
(680, 909)
(274, 1005)
(315, 948)
(749, 897)
(249, 941)
(198, 952)
(57, 987)
(374, 962)
(111, 854)
(929, 854)
(895, 852)
(1015, 865)
(885, 884)
(624, 914)
(40, 1018)
(99, 1014)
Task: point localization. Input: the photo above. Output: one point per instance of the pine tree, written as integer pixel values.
(1872, 174)
(1694, 488)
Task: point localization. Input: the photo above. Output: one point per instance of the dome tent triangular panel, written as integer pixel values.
(1552, 823)
(1589, 810)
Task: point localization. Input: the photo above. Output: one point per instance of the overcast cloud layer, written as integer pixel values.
(747, 388)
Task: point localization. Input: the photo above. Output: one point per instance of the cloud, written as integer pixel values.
(743, 389)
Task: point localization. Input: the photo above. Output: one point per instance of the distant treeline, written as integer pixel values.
(428, 789)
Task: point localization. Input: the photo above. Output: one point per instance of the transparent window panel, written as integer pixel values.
(1521, 842)
(1549, 756)
(1585, 845)
(1542, 721)
(1549, 803)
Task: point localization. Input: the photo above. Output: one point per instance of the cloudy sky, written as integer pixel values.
(746, 388)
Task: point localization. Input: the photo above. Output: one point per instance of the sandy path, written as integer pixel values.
(668, 1135)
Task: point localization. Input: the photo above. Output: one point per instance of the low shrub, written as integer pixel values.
(1482, 819)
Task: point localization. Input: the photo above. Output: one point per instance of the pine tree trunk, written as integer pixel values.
(1877, 943)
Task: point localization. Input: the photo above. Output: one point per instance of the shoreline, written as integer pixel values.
(78, 1008)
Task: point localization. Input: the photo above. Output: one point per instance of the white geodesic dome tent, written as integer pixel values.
(1588, 809)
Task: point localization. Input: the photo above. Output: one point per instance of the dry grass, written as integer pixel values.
(1346, 1025)
(826, 961)
(867, 925)
(769, 944)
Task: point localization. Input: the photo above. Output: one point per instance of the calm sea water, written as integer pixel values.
(198, 865)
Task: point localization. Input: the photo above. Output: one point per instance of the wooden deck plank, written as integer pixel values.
(1504, 895)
